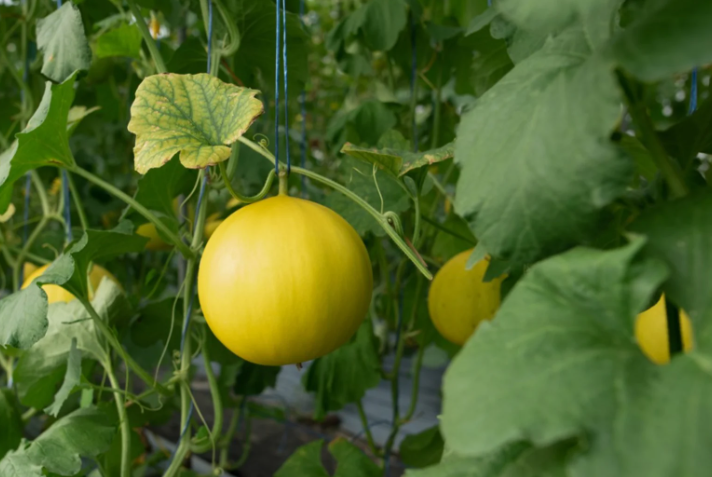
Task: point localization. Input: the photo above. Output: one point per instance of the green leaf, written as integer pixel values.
(515, 460)
(359, 178)
(83, 433)
(380, 22)
(60, 36)
(664, 432)
(344, 375)
(159, 187)
(452, 237)
(536, 186)
(190, 57)
(16, 329)
(557, 355)
(11, 429)
(253, 379)
(416, 160)
(18, 464)
(71, 379)
(304, 462)
(690, 136)
(43, 142)
(122, 41)
(351, 461)
(71, 268)
(680, 233)
(388, 160)
(363, 125)
(41, 369)
(254, 61)
(196, 115)
(480, 21)
(423, 449)
(673, 37)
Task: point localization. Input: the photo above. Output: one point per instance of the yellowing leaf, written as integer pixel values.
(197, 116)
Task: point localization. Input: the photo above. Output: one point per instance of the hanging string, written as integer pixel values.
(286, 84)
(489, 3)
(413, 77)
(693, 92)
(65, 189)
(303, 112)
(276, 87)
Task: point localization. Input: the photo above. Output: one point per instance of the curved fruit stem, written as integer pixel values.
(246, 198)
(380, 218)
(199, 448)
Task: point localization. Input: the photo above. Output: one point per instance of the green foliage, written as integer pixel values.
(71, 379)
(196, 115)
(334, 388)
(397, 162)
(83, 433)
(43, 142)
(423, 449)
(122, 41)
(351, 461)
(60, 36)
(11, 430)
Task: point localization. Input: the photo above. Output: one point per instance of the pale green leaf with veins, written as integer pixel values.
(197, 116)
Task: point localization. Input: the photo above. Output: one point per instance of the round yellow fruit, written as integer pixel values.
(652, 333)
(55, 293)
(459, 300)
(284, 281)
(155, 242)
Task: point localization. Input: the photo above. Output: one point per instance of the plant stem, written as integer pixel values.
(25, 249)
(416, 385)
(123, 422)
(365, 205)
(246, 198)
(77, 202)
(417, 236)
(448, 231)
(367, 429)
(217, 406)
(225, 440)
(116, 346)
(150, 43)
(174, 239)
(669, 168)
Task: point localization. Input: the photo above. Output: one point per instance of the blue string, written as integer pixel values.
(693, 92)
(286, 85)
(276, 89)
(489, 3)
(413, 71)
(210, 33)
(303, 112)
(59, 3)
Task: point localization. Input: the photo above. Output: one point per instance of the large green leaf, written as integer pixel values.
(557, 355)
(680, 233)
(514, 460)
(344, 375)
(122, 41)
(422, 449)
(16, 329)
(254, 61)
(665, 432)
(83, 433)
(11, 429)
(387, 159)
(351, 461)
(304, 462)
(252, 379)
(536, 186)
(690, 136)
(674, 36)
(364, 124)
(41, 369)
(60, 36)
(380, 21)
(197, 116)
(43, 142)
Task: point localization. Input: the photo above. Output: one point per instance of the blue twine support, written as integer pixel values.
(210, 34)
(276, 88)
(286, 85)
(59, 3)
(303, 112)
(693, 92)
(489, 3)
(413, 72)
